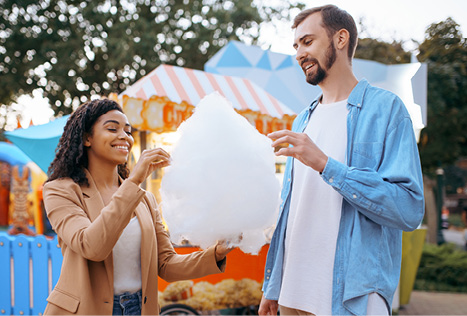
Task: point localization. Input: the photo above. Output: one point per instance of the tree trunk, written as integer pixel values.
(430, 210)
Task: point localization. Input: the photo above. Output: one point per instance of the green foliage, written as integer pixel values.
(456, 177)
(442, 268)
(383, 52)
(456, 220)
(76, 49)
(444, 139)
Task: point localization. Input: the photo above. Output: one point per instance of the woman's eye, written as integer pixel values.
(128, 132)
(112, 129)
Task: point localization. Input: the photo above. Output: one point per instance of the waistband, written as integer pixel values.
(128, 296)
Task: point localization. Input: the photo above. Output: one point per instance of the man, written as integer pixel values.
(352, 183)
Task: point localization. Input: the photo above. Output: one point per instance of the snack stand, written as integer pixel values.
(159, 102)
(156, 105)
(236, 291)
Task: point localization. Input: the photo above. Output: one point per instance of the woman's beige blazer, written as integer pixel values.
(88, 230)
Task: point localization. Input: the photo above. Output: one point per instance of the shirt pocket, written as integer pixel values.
(367, 155)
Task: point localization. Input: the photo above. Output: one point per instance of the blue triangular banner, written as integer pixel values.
(286, 63)
(232, 57)
(264, 62)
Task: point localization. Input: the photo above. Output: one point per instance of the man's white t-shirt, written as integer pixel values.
(314, 216)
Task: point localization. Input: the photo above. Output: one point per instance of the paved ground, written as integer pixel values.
(435, 303)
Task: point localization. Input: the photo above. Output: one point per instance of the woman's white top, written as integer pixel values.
(127, 259)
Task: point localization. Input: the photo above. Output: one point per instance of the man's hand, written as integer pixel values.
(268, 307)
(304, 149)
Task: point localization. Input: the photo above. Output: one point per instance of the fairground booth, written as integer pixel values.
(159, 102)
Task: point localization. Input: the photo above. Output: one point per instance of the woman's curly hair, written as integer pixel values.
(70, 156)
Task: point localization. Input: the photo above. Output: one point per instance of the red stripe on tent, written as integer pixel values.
(257, 99)
(141, 94)
(156, 82)
(214, 83)
(275, 103)
(237, 93)
(194, 80)
(141, 80)
(177, 84)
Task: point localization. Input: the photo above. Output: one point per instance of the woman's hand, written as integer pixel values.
(150, 160)
(223, 247)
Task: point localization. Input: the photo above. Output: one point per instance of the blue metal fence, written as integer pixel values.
(29, 269)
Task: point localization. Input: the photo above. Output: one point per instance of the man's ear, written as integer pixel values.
(342, 38)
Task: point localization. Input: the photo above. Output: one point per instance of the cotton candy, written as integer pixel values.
(221, 184)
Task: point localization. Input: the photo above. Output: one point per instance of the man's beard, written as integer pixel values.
(320, 74)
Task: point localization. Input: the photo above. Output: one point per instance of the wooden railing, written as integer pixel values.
(29, 269)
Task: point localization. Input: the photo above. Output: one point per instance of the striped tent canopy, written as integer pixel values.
(161, 100)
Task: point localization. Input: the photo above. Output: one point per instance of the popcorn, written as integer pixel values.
(204, 296)
(178, 291)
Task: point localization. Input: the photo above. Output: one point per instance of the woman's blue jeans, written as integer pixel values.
(127, 304)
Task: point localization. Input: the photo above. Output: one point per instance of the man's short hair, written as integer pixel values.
(334, 19)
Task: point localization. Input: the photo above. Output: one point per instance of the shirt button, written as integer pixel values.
(288, 180)
(269, 271)
(331, 180)
(267, 278)
(354, 196)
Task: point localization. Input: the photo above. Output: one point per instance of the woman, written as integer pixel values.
(113, 242)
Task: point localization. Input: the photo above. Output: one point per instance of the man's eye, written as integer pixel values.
(112, 129)
(128, 132)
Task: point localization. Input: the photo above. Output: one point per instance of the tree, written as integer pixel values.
(380, 51)
(76, 49)
(444, 140)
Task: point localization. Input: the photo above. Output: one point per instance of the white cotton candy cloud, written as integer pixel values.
(221, 183)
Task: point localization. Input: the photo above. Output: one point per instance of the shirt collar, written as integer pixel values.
(355, 97)
(315, 102)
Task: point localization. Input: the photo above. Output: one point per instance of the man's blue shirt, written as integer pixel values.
(382, 188)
